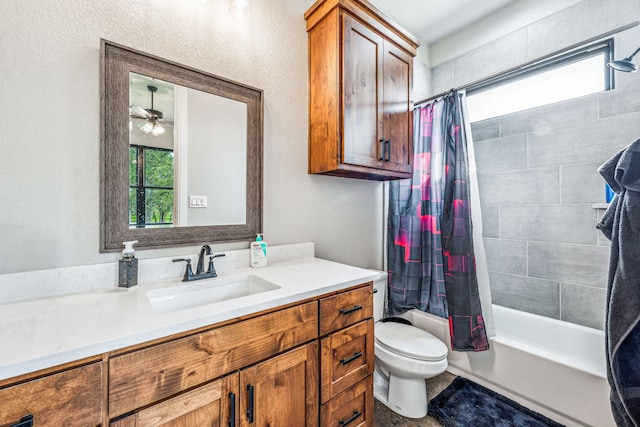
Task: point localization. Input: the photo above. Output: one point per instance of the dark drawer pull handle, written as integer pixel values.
(232, 409)
(382, 150)
(351, 359)
(387, 149)
(250, 390)
(26, 421)
(351, 310)
(355, 416)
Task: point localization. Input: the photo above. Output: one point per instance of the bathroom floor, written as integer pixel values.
(385, 417)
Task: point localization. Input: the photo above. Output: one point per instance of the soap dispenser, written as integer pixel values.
(258, 252)
(128, 266)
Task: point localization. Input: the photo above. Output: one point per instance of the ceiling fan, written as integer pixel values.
(152, 117)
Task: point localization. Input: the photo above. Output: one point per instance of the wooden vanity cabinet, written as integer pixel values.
(303, 365)
(360, 92)
(347, 358)
(69, 398)
(146, 376)
(353, 407)
(213, 404)
(281, 391)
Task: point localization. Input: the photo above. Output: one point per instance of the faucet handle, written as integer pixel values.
(188, 272)
(211, 270)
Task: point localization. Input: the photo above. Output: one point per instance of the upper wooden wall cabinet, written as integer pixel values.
(360, 92)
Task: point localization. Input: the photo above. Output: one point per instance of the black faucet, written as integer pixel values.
(205, 250)
(200, 273)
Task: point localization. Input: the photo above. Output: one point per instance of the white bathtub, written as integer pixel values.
(552, 367)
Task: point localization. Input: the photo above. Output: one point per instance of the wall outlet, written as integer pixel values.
(197, 201)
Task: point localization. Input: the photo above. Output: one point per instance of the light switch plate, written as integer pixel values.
(197, 201)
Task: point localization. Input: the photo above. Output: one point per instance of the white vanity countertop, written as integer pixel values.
(46, 332)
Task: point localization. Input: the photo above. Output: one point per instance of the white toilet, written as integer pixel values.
(404, 357)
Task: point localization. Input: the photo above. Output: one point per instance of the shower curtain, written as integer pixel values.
(431, 257)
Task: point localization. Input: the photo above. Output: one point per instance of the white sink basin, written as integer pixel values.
(207, 292)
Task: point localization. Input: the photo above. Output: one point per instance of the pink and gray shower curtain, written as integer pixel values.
(431, 260)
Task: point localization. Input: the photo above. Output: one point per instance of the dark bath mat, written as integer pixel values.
(467, 404)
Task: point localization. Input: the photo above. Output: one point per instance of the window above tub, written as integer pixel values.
(571, 74)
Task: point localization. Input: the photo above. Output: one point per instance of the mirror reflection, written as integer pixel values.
(181, 153)
(180, 141)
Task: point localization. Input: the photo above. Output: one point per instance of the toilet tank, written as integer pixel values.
(380, 296)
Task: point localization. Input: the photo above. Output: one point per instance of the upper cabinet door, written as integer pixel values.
(398, 115)
(360, 92)
(363, 52)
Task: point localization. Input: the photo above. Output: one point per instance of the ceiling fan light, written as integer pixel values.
(147, 127)
(157, 130)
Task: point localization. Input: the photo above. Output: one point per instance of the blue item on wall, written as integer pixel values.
(608, 193)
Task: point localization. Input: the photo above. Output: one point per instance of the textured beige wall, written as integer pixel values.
(49, 125)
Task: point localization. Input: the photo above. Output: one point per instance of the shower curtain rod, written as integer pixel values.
(526, 64)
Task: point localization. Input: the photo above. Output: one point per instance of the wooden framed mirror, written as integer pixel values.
(181, 153)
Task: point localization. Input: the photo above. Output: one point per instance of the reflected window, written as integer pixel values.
(151, 187)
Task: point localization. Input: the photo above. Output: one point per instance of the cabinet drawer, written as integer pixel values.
(346, 357)
(69, 398)
(353, 407)
(213, 404)
(345, 309)
(146, 376)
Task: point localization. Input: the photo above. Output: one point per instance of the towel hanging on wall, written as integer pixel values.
(621, 225)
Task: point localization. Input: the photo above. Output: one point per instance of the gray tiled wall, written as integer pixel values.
(538, 182)
(537, 168)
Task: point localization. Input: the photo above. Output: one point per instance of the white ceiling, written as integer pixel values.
(431, 20)
(428, 20)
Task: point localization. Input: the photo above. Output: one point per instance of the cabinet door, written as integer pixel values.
(398, 115)
(282, 391)
(362, 98)
(68, 398)
(211, 405)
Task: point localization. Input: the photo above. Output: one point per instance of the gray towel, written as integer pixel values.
(621, 224)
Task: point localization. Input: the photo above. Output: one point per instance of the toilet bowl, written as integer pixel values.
(405, 356)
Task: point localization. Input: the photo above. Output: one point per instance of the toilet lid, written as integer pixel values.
(410, 341)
